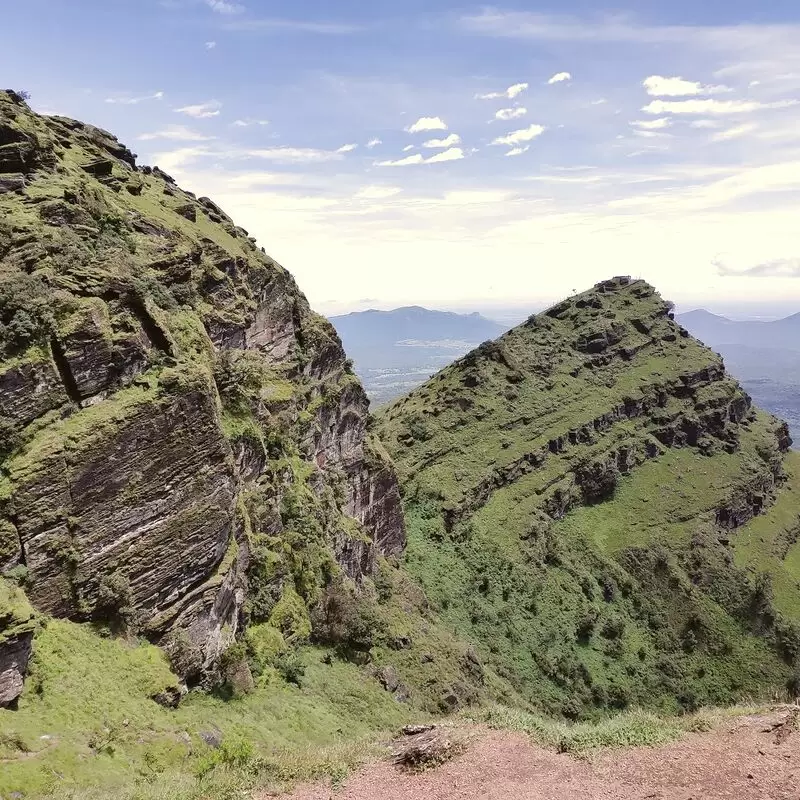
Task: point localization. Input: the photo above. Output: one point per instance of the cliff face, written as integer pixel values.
(596, 481)
(179, 431)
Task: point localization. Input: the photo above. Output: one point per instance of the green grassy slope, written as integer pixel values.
(580, 495)
(87, 719)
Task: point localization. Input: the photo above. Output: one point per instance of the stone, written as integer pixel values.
(187, 211)
(388, 678)
(14, 654)
(17, 628)
(101, 167)
(12, 183)
(170, 697)
(211, 738)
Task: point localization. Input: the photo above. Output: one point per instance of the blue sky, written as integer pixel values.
(453, 154)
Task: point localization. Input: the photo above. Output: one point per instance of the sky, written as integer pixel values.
(456, 155)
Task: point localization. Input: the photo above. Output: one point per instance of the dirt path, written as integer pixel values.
(741, 759)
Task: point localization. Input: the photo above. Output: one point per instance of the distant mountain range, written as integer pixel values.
(395, 351)
(716, 331)
(765, 356)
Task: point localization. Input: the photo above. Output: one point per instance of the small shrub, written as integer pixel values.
(346, 619)
(114, 602)
(235, 671)
(291, 667)
(26, 310)
(234, 755)
(384, 581)
(290, 616)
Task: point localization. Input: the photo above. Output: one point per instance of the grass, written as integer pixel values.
(86, 720)
(771, 543)
(636, 728)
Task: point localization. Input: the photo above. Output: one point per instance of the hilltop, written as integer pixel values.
(597, 503)
(394, 351)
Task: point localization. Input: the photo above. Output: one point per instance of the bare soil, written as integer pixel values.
(755, 757)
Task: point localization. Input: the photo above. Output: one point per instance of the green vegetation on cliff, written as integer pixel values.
(588, 497)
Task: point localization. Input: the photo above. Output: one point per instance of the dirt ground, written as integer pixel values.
(748, 757)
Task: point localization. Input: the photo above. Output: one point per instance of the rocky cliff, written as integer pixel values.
(184, 445)
(601, 488)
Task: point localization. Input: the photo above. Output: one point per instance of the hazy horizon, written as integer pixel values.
(500, 153)
(513, 313)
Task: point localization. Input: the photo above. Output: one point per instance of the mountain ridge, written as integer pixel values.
(171, 407)
(556, 456)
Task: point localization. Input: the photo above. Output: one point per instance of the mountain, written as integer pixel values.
(782, 334)
(765, 356)
(395, 351)
(595, 502)
(172, 412)
(201, 538)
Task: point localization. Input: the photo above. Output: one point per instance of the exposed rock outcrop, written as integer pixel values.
(17, 625)
(173, 416)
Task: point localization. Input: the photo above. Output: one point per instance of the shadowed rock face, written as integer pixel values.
(16, 641)
(170, 407)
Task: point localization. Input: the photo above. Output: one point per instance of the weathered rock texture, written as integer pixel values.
(179, 432)
(17, 627)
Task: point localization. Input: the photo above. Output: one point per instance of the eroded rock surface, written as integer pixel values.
(179, 432)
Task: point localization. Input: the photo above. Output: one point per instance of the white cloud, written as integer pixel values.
(469, 197)
(427, 124)
(409, 147)
(711, 106)
(347, 148)
(507, 114)
(129, 100)
(599, 102)
(453, 154)
(246, 123)
(518, 151)
(295, 155)
(223, 7)
(513, 91)
(705, 123)
(659, 86)
(273, 24)
(176, 159)
(178, 133)
(645, 134)
(377, 192)
(652, 124)
(201, 110)
(210, 45)
(374, 142)
(448, 141)
(408, 161)
(734, 133)
(560, 77)
(516, 138)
